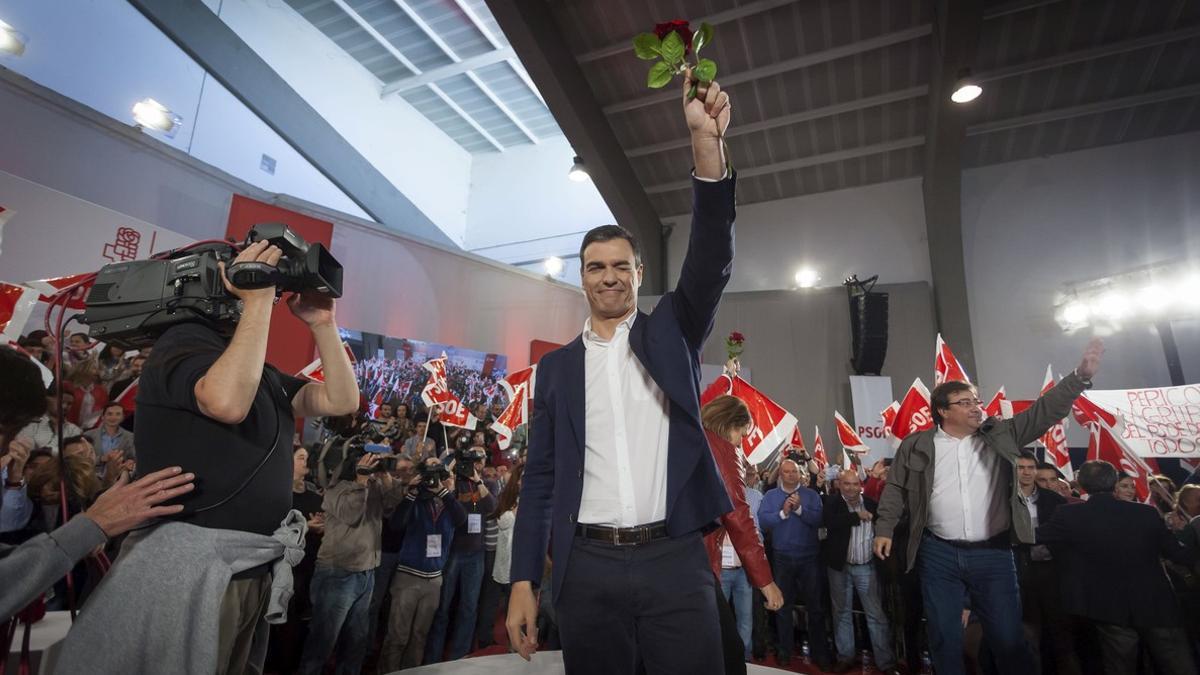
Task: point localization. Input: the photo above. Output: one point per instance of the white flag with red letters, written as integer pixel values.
(519, 388)
(1055, 438)
(437, 393)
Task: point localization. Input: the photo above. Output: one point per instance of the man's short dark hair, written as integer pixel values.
(1026, 453)
(114, 404)
(940, 398)
(608, 233)
(1047, 466)
(22, 394)
(1097, 476)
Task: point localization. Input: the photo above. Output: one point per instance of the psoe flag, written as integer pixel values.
(1105, 444)
(437, 392)
(946, 367)
(519, 387)
(1055, 438)
(992, 409)
(912, 414)
(772, 424)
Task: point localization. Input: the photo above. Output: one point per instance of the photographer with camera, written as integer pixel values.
(464, 570)
(222, 568)
(426, 520)
(355, 507)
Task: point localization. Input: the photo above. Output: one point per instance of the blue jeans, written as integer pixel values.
(800, 578)
(463, 576)
(843, 584)
(988, 577)
(340, 602)
(736, 588)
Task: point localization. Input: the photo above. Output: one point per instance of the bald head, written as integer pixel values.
(789, 475)
(850, 485)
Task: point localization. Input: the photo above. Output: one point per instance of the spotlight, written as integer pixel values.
(151, 114)
(1152, 299)
(1075, 313)
(578, 172)
(966, 89)
(807, 277)
(554, 265)
(11, 41)
(1113, 306)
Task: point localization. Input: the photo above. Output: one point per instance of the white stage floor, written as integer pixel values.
(543, 663)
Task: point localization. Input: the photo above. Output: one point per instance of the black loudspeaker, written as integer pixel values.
(868, 330)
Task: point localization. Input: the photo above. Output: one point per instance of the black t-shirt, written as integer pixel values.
(171, 431)
(307, 502)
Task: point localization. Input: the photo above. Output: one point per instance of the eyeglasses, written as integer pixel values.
(968, 402)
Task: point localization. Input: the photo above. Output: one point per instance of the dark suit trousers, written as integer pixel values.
(1168, 647)
(654, 602)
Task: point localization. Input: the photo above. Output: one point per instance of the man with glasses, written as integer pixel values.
(957, 485)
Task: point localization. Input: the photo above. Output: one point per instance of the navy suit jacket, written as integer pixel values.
(667, 342)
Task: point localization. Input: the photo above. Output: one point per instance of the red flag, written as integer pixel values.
(519, 387)
(128, 396)
(16, 304)
(946, 367)
(819, 454)
(1106, 444)
(316, 372)
(797, 441)
(437, 392)
(911, 415)
(850, 440)
(992, 409)
(51, 287)
(772, 424)
(1008, 407)
(1055, 438)
(1087, 411)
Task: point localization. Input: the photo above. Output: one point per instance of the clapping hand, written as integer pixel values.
(791, 503)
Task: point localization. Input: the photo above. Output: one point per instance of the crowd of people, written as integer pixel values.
(408, 563)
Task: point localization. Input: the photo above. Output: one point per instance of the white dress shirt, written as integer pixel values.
(969, 502)
(862, 536)
(627, 421)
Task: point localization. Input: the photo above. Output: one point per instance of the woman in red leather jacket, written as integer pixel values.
(736, 543)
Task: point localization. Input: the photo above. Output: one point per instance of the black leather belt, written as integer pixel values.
(1001, 540)
(623, 536)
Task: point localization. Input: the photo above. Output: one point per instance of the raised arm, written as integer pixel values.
(708, 262)
(1054, 405)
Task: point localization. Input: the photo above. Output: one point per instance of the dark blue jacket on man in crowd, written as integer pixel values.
(796, 535)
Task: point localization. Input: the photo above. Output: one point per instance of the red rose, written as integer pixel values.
(662, 30)
(737, 337)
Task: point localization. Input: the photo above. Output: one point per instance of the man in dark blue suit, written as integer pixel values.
(619, 475)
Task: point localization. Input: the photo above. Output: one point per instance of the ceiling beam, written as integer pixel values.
(959, 27)
(448, 51)
(739, 12)
(539, 41)
(795, 118)
(802, 162)
(1095, 108)
(1015, 7)
(803, 61)
(497, 44)
(449, 70)
(399, 56)
(202, 35)
(1092, 53)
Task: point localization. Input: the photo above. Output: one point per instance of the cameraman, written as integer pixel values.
(342, 584)
(427, 520)
(464, 569)
(213, 404)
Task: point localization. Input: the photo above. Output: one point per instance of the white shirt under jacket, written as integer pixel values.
(969, 502)
(625, 437)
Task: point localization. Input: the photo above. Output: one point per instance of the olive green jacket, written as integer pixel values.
(910, 481)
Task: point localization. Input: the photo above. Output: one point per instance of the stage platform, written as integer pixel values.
(543, 663)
